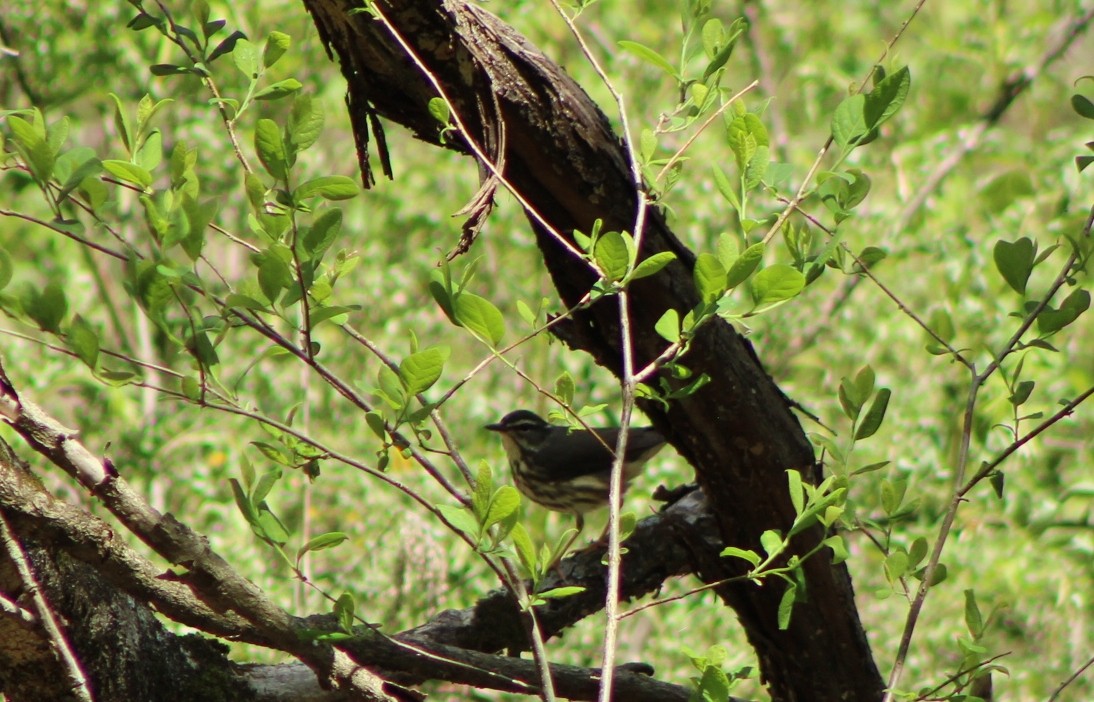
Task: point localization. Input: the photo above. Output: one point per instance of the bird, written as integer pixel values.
(569, 470)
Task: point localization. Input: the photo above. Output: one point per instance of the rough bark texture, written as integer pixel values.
(559, 152)
(123, 650)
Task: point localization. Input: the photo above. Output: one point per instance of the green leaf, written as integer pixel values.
(776, 284)
(668, 326)
(771, 541)
(713, 36)
(6, 268)
(842, 191)
(438, 108)
(896, 565)
(375, 422)
(723, 43)
(505, 502)
(265, 485)
(305, 122)
(941, 572)
(271, 148)
(725, 187)
(243, 502)
(171, 69)
(344, 608)
(83, 341)
(122, 124)
(734, 552)
(653, 264)
(873, 418)
(974, 621)
(328, 187)
(870, 256)
(870, 467)
(31, 141)
(917, 552)
(942, 324)
(1082, 106)
(650, 56)
(756, 168)
(198, 217)
(459, 518)
(786, 605)
(150, 153)
(714, 684)
(848, 121)
(794, 480)
(709, 277)
(892, 494)
(274, 276)
(1021, 393)
(90, 167)
(564, 387)
(278, 90)
(887, 97)
(47, 308)
(647, 144)
(522, 544)
(323, 541)
(246, 58)
(484, 490)
(747, 138)
(559, 592)
(863, 384)
(391, 388)
(128, 172)
(322, 233)
(276, 46)
(744, 265)
(1051, 321)
(479, 316)
(612, 255)
(839, 549)
(419, 371)
(1015, 262)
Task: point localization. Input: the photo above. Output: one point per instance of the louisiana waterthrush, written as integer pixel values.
(569, 470)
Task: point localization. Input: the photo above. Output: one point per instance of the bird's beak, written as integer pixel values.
(494, 427)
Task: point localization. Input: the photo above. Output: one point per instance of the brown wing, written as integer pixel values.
(583, 454)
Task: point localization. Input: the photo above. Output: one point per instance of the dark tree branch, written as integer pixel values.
(562, 157)
(455, 647)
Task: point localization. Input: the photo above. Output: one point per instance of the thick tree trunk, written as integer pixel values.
(558, 150)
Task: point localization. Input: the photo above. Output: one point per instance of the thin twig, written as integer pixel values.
(800, 195)
(963, 671)
(971, 140)
(1070, 679)
(207, 79)
(702, 128)
(67, 657)
(988, 468)
(959, 486)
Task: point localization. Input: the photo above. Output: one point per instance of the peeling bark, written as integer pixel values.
(559, 152)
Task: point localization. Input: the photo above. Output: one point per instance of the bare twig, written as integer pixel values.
(1070, 679)
(970, 140)
(800, 195)
(71, 665)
